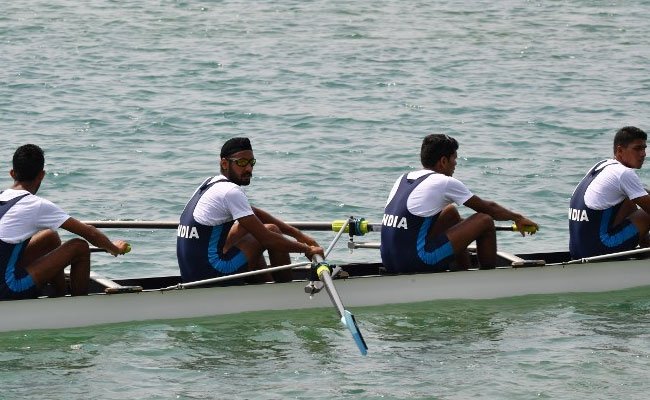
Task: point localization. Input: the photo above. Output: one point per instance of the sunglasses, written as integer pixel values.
(242, 162)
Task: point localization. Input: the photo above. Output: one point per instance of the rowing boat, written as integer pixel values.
(366, 285)
(360, 285)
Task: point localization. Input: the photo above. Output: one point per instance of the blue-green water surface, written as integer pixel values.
(131, 101)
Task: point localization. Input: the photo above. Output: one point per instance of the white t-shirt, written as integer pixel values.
(223, 202)
(434, 193)
(612, 185)
(30, 215)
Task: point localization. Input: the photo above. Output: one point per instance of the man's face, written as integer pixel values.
(236, 173)
(449, 164)
(632, 155)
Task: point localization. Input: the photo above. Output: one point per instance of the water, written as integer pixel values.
(132, 100)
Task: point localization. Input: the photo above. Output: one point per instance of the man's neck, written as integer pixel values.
(31, 187)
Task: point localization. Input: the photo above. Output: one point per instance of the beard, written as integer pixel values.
(243, 180)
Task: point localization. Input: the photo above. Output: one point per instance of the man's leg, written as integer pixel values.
(253, 250)
(45, 259)
(480, 228)
(449, 217)
(638, 217)
(277, 258)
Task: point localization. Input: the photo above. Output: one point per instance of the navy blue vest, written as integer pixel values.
(590, 231)
(199, 248)
(403, 235)
(15, 283)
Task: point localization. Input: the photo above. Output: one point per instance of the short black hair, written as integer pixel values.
(28, 162)
(434, 147)
(627, 135)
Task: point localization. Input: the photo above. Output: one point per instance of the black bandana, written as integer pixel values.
(235, 145)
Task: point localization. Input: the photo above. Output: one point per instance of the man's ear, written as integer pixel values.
(223, 164)
(443, 161)
(12, 174)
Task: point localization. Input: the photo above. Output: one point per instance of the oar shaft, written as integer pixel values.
(336, 239)
(325, 277)
(303, 225)
(627, 253)
(134, 224)
(242, 275)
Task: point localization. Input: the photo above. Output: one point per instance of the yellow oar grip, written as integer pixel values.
(362, 224)
(321, 269)
(527, 229)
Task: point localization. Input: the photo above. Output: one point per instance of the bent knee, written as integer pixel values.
(273, 228)
(78, 245)
(485, 220)
(451, 212)
(49, 238)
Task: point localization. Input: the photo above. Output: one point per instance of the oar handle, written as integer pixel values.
(514, 228)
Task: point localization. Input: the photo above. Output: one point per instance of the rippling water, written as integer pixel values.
(132, 100)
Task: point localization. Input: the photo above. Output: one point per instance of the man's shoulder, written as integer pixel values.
(423, 172)
(224, 191)
(221, 184)
(10, 194)
(615, 168)
(28, 199)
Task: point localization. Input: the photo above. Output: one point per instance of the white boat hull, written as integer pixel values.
(70, 312)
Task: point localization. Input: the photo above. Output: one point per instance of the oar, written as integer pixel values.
(324, 271)
(514, 228)
(100, 250)
(605, 256)
(235, 276)
(361, 227)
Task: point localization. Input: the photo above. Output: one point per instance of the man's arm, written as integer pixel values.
(269, 239)
(95, 236)
(499, 212)
(285, 228)
(643, 202)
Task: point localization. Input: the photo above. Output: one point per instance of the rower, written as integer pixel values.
(604, 214)
(421, 229)
(220, 233)
(31, 253)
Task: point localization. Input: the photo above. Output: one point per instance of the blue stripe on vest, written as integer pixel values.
(12, 282)
(223, 266)
(620, 237)
(439, 253)
(17, 284)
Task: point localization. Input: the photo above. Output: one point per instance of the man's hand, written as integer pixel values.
(306, 239)
(314, 250)
(525, 225)
(122, 248)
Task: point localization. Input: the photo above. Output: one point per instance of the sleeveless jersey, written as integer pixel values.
(404, 246)
(15, 283)
(591, 232)
(199, 248)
